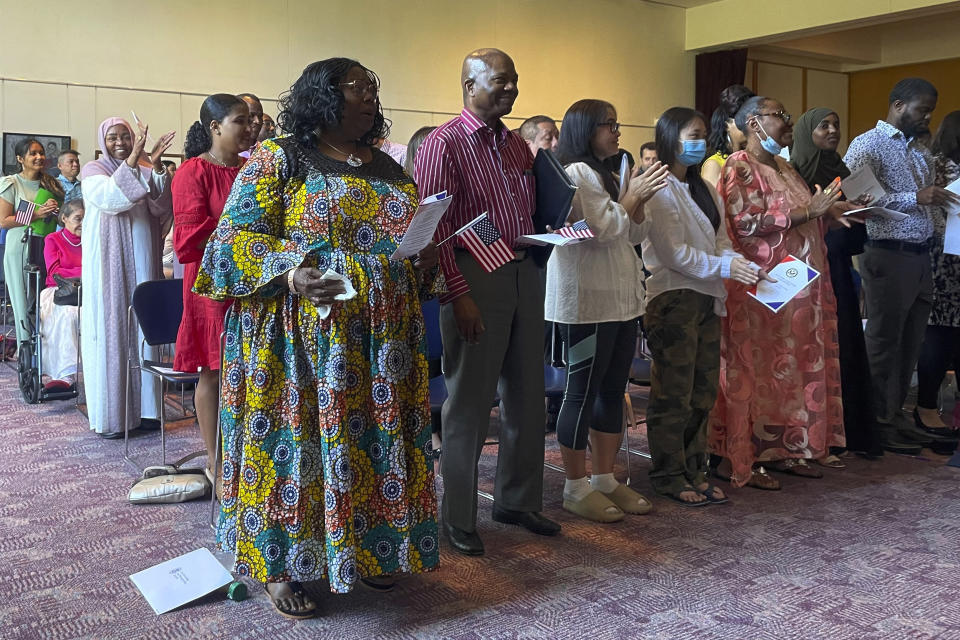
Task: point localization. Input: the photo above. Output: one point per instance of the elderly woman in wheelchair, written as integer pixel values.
(59, 300)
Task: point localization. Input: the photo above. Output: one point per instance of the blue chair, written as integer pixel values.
(158, 308)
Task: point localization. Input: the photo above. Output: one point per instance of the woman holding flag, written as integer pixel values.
(595, 294)
(32, 198)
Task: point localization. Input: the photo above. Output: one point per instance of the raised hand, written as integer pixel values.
(649, 182)
(822, 200)
(134, 158)
(156, 154)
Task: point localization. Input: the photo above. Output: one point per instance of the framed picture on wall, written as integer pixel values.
(52, 146)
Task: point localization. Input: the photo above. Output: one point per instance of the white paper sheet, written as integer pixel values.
(951, 236)
(324, 310)
(176, 582)
(423, 225)
(862, 182)
(792, 276)
(954, 187)
(624, 177)
(879, 212)
(543, 239)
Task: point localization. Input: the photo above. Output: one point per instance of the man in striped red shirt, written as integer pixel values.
(492, 323)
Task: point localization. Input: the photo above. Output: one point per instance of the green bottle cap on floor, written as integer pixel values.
(237, 591)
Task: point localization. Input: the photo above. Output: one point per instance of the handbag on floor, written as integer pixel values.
(167, 484)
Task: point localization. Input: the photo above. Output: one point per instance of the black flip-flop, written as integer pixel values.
(296, 590)
(676, 498)
(708, 492)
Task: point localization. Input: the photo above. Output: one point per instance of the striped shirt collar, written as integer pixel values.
(473, 123)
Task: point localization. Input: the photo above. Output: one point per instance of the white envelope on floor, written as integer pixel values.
(176, 582)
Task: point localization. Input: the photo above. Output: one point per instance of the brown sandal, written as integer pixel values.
(796, 467)
(760, 479)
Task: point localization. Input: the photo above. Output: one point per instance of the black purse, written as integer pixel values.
(68, 291)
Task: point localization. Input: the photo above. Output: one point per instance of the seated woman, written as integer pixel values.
(59, 324)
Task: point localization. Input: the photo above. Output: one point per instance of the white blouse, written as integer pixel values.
(682, 250)
(600, 280)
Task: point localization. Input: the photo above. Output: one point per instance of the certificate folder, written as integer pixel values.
(555, 192)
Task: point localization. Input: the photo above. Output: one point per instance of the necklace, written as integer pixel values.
(352, 160)
(775, 166)
(68, 240)
(219, 161)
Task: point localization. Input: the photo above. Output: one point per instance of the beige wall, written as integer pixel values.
(800, 88)
(163, 58)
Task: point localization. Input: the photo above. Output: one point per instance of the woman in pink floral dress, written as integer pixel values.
(779, 400)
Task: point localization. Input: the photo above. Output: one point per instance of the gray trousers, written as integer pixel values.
(507, 358)
(899, 291)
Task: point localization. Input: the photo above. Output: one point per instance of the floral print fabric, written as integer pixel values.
(325, 421)
(780, 372)
(946, 266)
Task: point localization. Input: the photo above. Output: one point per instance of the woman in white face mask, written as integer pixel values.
(688, 253)
(779, 401)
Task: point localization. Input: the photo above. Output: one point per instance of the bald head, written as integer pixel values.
(489, 82)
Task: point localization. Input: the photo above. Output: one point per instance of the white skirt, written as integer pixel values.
(59, 331)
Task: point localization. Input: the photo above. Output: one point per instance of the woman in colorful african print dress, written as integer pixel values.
(779, 402)
(325, 411)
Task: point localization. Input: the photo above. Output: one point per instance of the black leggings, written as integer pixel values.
(598, 365)
(941, 350)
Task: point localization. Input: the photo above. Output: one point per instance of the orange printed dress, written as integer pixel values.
(780, 372)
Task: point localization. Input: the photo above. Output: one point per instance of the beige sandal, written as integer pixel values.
(594, 506)
(831, 462)
(629, 500)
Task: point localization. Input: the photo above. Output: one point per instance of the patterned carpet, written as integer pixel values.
(872, 552)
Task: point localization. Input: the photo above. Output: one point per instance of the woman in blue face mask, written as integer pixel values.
(779, 401)
(688, 253)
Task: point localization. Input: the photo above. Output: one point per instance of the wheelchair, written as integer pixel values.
(30, 353)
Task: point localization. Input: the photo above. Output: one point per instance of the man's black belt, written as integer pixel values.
(900, 245)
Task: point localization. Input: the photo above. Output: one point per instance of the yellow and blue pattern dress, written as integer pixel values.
(326, 421)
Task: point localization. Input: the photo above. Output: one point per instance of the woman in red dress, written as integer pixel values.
(200, 190)
(779, 402)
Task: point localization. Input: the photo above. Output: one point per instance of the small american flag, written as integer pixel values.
(25, 212)
(483, 241)
(578, 229)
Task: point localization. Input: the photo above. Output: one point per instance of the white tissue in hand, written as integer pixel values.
(323, 310)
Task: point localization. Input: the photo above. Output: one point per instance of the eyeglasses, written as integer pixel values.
(362, 88)
(783, 115)
(614, 126)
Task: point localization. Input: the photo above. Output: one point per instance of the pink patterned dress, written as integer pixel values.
(780, 372)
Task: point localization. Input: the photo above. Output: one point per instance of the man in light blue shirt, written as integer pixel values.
(896, 266)
(68, 162)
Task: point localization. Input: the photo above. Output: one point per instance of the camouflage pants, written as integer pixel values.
(684, 336)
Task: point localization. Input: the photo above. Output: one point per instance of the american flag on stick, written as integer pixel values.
(578, 229)
(25, 212)
(484, 243)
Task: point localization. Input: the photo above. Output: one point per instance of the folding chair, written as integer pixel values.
(158, 308)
